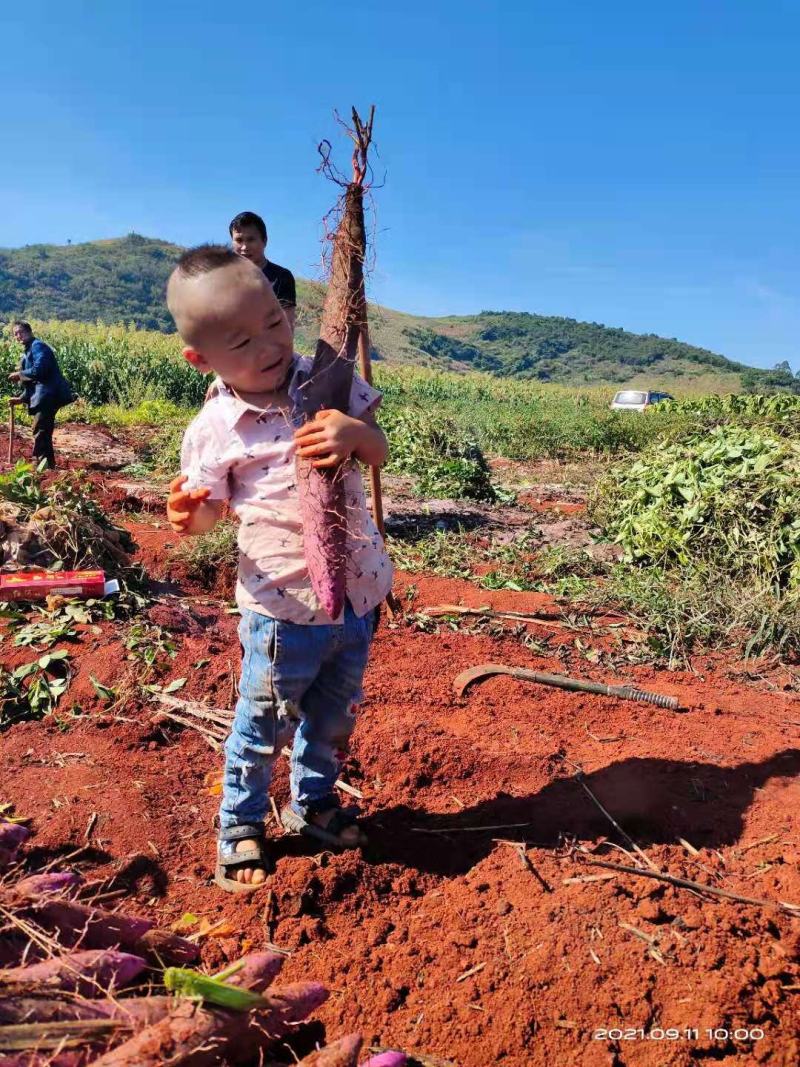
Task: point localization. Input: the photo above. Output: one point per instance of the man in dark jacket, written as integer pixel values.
(44, 390)
(249, 239)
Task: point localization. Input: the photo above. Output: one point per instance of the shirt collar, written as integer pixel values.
(232, 408)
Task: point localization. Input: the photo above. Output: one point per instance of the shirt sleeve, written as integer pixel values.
(204, 459)
(364, 399)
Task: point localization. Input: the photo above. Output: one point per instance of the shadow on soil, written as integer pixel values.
(656, 801)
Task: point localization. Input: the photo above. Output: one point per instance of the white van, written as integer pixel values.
(637, 399)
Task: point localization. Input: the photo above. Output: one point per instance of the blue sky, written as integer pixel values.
(626, 163)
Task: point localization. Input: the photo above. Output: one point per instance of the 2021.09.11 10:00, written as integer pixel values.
(687, 1033)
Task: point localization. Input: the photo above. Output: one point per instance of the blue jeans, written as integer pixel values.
(301, 680)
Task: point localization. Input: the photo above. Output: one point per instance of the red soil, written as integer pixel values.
(440, 937)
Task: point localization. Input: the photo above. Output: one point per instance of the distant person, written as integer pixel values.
(249, 239)
(44, 390)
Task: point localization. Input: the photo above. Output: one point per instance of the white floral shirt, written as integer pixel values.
(246, 457)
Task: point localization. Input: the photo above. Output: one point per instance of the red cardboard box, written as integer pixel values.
(37, 585)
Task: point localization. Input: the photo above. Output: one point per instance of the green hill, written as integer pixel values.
(122, 280)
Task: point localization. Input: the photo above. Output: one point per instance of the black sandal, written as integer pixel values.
(330, 835)
(253, 857)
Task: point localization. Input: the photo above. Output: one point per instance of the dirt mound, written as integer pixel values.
(473, 926)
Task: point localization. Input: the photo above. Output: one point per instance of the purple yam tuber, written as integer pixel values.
(257, 972)
(192, 1036)
(162, 947)
(76, 1058)
(387, 1059)
(85, 973)
(342, 1053)
(344, 316)
(322, 504)
(92, 927)
(138, 1012)
(12, 835)
(52, 882)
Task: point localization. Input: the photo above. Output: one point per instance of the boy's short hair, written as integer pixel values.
(24, 325)
(248, 218)
(204, 258)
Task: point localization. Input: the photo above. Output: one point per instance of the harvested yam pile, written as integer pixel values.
(56, 522)
(82, 984)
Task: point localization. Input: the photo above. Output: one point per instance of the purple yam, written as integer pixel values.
(342, 1053)
(12, 834)
(162, 947)
(322, 506)
(86, 973)
(193, 1036)
(258, 971)
(135, 1011)
(387, 1059)
(52, 882)
(92, 927)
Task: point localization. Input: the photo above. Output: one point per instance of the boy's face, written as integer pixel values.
(249, 243)
(232, 324)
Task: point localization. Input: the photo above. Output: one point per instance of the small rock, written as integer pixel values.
(692, 917)
(649, 910)
(503, 907)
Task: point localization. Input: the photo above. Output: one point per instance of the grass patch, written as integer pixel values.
(207, 555)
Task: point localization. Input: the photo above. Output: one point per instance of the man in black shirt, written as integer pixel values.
(249, 239)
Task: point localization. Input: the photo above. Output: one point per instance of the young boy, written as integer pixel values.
(301, 670)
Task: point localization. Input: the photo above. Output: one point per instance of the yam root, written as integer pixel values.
(92, 927)
(342, 1053)
(138, 1012)
(192, 1036)
(344, 315)
(55, 882)
(255, 971)
(86, 973)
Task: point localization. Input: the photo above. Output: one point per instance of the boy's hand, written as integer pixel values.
(183, 505)
(15, 376)
(332, 437)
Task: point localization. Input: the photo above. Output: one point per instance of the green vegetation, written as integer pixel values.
(710, 526)
(115, 364)
(123, 280)
(33, 689)
(442, 458)
(212, 554)
(111, 281)
(516, 419)
(544, 348)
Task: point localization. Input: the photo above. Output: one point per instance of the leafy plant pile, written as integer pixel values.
(442, 457)
(57, 524)
(713, 522)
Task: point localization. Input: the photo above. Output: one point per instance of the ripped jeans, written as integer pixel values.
(296, 679)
